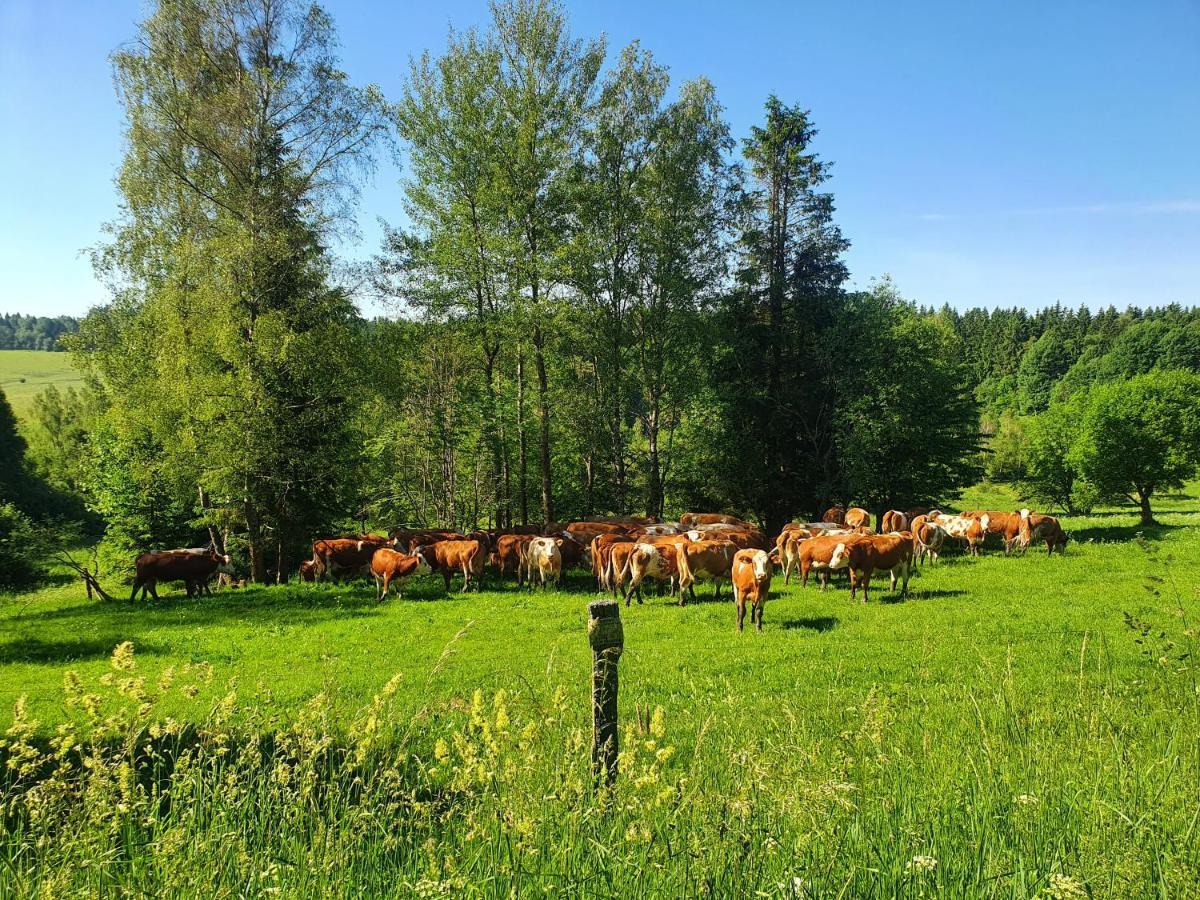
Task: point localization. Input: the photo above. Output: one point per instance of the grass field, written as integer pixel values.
(1004, 732)
(26, 373)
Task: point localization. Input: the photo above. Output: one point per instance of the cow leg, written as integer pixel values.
(892, 572)
(136, 584)
(382, 589)
(446, 578)
(759, 603)
(905, 572)
(466, 578)
(741, 609)
(866, 586)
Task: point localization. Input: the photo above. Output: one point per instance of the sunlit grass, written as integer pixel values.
(1004, 732)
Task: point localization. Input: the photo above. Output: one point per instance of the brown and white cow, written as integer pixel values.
(969, 531)
(893, 520)
(888, 552)
(543, 561)
(600, 552)
(710, 558)
(449, 557)
(857, 517)
(658, 562)
(927, 539)
(751, 579)
(508, 555)
(1007, 525)
(191, 566)
(817, 554)
(393, 567)
(1042, 529)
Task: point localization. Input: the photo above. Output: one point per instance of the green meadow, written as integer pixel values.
(1017, 727)
(26, 373)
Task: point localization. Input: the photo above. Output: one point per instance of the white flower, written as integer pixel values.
(1064, 887)
(922, 864)
(1025, 800)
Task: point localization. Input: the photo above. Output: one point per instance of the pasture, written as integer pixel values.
(1006, 731)
(26, 373)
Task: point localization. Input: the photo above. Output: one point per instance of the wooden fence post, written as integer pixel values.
(607, 638)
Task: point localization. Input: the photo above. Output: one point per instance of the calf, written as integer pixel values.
(711, 558)
(449, 557)
(890, 552)
(751, 578)
(390, 566)
(543, 561)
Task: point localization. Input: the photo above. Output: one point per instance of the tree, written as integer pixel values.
(226, 345)
(1051, 473)
(545, 88)
(907, 422)
(781, 456)
(1141, 435)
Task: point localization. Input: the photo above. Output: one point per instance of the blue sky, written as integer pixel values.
(996, 154)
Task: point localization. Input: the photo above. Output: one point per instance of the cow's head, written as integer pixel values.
(984, 521)
(762, 565)
(840, 558)
(423, 567)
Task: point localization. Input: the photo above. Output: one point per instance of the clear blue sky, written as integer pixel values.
(1007, 153)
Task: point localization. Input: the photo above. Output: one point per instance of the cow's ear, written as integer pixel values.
(558, 541)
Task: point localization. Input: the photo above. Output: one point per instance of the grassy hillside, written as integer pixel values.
(25, 373)
(1006, 721)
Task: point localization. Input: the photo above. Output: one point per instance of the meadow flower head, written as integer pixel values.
(921, 864)
(122, 656)
(1064, 887)
(1025, 800)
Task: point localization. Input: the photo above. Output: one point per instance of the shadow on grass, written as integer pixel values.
(936, 592)
(813, 623)
(1114, 533)
(34, 650)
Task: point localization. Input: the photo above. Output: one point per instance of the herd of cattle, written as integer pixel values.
(623, 552)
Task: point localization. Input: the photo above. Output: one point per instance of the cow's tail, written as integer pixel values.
(685, 569)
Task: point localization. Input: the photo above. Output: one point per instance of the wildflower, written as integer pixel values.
(122, 656)
(1064, 887)
(1025, 800)
(658, 722)
(922, 864)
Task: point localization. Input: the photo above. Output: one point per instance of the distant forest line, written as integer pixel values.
(20, 332)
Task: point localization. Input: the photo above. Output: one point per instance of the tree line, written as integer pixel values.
(18, 332)
(603, 302)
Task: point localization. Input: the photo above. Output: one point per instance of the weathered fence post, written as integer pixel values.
(607, 638)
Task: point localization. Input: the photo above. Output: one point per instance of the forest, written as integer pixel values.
(602, 301)
(18, 332)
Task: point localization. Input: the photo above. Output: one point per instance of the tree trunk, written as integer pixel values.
(543, 423)
(1147, 514)
(522, 444)
(654, 485)
(258, 560)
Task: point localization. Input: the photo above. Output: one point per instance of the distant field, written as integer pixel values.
(1003, 728)
(26, 373)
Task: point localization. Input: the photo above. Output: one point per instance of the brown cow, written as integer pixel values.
(745, 540)
(192, 566)
(308, 570)
(509, 555)
(572, 552)
(711, 558)
(337, 556)
(407, 538)
(658, 562)
(915, 511)
(1042, 528)
(586, 532)
(891, 552)
(751, 578)
(835, 515)
(893, 520)
(692, 519)
(449, 557)
(390, 566)
(857, 517)
(600, 550)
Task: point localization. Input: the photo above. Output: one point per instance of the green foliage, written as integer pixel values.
(18, 332)
(57, 434)
(1141, 436)
(23, 549)
(1051, 472)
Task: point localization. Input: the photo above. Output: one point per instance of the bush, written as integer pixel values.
(20, 549)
